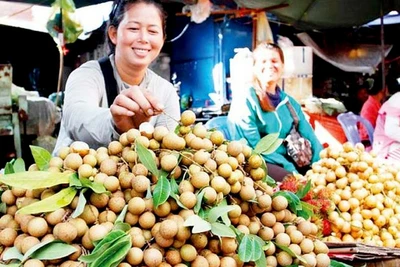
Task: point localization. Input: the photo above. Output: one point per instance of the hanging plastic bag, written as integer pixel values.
(62, 20)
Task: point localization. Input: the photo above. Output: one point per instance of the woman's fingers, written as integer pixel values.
(156, 105)
(138, 101)
(117, 110)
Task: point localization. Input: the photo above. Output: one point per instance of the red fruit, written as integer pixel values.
(326, 227)
(308, 196)
(289, 184)
(325, 205)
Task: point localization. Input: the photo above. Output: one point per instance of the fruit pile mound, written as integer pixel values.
(154, 198)
(366, 193)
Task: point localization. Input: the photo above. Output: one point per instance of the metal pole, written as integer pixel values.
(383, 48)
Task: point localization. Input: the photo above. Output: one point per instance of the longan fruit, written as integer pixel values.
(217, 137)
(152, 257)
(169, 162)
(37, 227)
(136, 205)
(188, 252)
(8, 236)
(135, 256)
(65, 231)
(188, 117)
(73, 161)
(279, 203)
(188, 199)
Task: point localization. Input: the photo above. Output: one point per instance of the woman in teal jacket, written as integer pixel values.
(261, 109)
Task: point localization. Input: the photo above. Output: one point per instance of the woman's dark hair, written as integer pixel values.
(263, 97)
(118, 10)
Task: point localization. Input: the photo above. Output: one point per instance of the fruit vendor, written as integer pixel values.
(370, 109)
(386, 134)
(262, 110)
(108, 97)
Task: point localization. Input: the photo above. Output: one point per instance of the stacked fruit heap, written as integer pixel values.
(155, 198)
(366, 193)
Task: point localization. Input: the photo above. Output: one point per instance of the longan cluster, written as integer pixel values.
(366, 193)
(199, 160)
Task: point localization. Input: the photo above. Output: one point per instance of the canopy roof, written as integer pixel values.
(302, 14)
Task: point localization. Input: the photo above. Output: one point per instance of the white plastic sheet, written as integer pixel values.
(363, 58)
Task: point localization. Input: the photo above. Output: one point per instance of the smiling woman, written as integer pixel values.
(264, 108)
(135, 35)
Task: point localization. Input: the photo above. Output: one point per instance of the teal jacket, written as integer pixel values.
(247, 120)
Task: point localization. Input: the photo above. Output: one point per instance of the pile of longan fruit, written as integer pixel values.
(198, 159)
(366, 192)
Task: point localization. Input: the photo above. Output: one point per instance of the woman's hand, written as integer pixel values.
(132, 107)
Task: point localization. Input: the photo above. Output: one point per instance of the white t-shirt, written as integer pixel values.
(86, 116)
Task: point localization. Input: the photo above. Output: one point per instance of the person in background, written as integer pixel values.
(387, 131)
(262, 110)
(370, 109)
(356, 100)
(135, 35)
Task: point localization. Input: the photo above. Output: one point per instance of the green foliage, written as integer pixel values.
(290, 252)
(41, 156)
(48, 250)
(110, 251)
(295, 204)
(268, 144)
(162, 190)
(52, 203)
(303, 190)
(81, 204)
(146, 158)
(35, 179)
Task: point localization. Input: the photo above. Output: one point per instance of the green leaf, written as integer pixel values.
(302, 192)
(249, 249)
(293, 200)
(220, 229)
(56, 201)
(53, 250)
(41, 156)
(268, 144)
(217, 212)
(3, 208)
(180, 204)
(203, 213)
(102, 246)
(270, 181)
(9, 168)
(19, 165)
(12, 253)
(11, 265)
(199, 197)
(306, 211)
(335, 263)
(81, 204)
(290, 252)
(262, 261)
(96, 187)
(122, 226)
(117, 250)
(74, 180)
(146, 158)
(199, 225)
(122, 214)
(224, 217)
(174, 186)
(148, 192)
(161, 191)
(35, 179)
